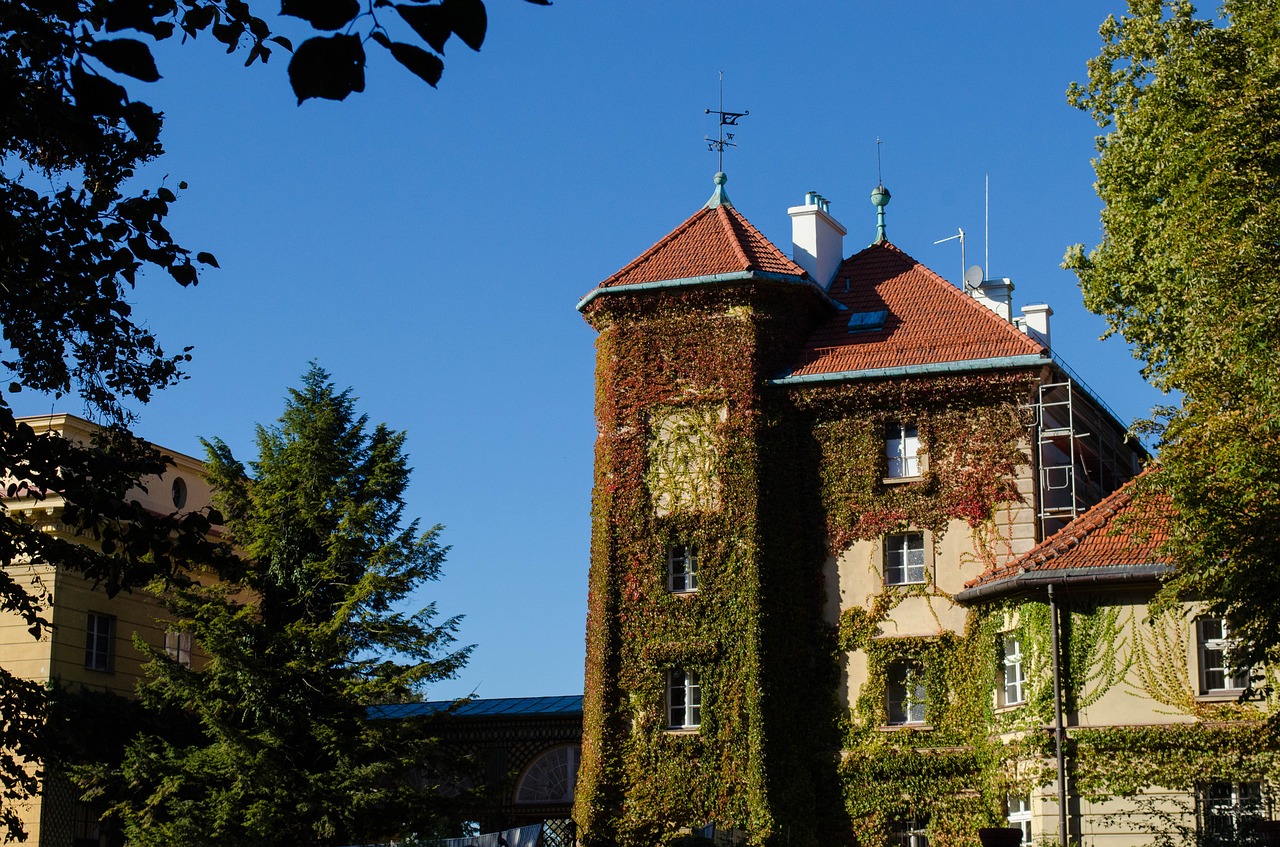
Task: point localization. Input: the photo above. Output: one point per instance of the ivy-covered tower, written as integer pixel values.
(800, 461)
(677, 713)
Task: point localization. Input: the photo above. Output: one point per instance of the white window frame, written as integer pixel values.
(1013, 671)
(1225, 807)
(682, 568)
(178, 645)
(1018, 813)
(902, 451)
(897, 549)
(909, 833)
(1213, 648)
(906, 695)
(100, 642)
(684, 699)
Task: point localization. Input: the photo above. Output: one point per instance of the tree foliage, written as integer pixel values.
(303, 633)
(1189, 272)
(77, 234)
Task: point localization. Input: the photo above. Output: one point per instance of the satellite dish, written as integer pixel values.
(973, 277)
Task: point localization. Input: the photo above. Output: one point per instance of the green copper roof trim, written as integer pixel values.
(991, 364)
(713, 279)
(720, 197)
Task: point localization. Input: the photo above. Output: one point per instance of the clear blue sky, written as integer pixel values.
(428, 246)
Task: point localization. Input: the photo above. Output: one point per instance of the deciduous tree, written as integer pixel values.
(303, 633)
(77, 233)
(1189, 272)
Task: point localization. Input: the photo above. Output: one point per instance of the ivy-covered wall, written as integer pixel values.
(776, 485)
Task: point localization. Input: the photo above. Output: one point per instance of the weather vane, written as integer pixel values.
(725, 139)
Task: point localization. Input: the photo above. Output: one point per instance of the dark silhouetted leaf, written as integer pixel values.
(539, 2)
(430, 22)
(206, 258)
(419, 61)
(165, 194)
(381, 38)
(185, 274)
(144, 121)
(198, 18)
(95, 94)
(282, 41)
(128, 14)
(14, 387)
(330, 67)
(322, 14)
(126, 56)
(468, 20)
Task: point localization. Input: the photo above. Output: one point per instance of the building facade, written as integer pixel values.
(90, 646)
(801, 461)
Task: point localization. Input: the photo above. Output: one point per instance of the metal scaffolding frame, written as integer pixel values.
(1080, 453)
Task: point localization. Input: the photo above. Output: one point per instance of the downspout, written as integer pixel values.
(1058, 730)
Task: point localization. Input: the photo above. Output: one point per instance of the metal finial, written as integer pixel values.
(719, 197)
(880, 198)
(724, 139)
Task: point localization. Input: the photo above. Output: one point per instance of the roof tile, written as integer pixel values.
(1096, 539)
(930, 321)
(712, 241)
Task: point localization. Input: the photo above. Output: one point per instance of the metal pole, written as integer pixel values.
(1058, 731)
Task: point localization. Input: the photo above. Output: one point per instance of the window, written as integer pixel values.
(902, 448)
(682, 568)
(1020, 816)
(99, 642)
(684, 700)
(179, 492)
(1213, 641)
(906, 694)
(551, 777)
(904, 558)
(178, 646)
(868, 321)
(1229, 812)
(1015, 676)
(908, 833)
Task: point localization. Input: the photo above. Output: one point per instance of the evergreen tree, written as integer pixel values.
(303, 633)
(1189, 271)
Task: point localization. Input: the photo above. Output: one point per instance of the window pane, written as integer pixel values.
(904, 561)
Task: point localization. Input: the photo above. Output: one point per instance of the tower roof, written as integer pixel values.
(1117, 540)
(714, 240)
(906, 315)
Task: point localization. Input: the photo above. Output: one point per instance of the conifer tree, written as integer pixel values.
(303, 632)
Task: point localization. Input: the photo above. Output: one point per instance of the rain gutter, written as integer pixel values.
(1034, 580)
(713, 279)
(968, 366)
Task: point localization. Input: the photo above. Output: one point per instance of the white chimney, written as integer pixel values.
(817, 239)
(1035, 322)
(996, 295)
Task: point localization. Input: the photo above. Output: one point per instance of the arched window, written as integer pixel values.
(551, 777)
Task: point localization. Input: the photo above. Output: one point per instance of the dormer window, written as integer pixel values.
(902, 448)
(868, 321)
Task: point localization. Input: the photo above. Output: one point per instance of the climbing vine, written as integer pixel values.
(769, 485)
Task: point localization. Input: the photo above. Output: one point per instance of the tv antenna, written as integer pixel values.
(724, 139)
(960, 235)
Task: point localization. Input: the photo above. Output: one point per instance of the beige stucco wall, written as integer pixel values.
(60, 655)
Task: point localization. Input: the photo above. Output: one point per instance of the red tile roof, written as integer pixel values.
(713, 241)
(1097, 539)
(930, 321)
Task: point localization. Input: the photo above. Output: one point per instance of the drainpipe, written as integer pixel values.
(1058, 730)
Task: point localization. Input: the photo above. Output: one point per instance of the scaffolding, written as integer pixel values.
(1083, 454)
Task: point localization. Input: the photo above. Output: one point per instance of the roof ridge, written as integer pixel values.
(728, 218)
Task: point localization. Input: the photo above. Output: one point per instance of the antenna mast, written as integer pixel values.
(959, 235)
(724, 139)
